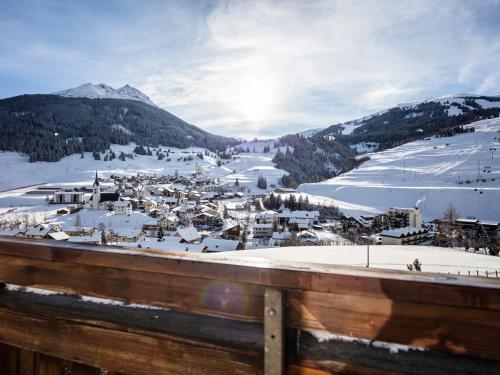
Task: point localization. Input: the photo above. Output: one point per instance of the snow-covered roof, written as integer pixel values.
(298, 214)
(268, 225)
(58, 236)
(218, 244)
(94, 237)
(189, 234)
(228, 224)
(121, 203)
(282, 235)
(127, 232)
(403, 232)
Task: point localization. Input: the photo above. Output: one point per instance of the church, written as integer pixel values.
(102, 201)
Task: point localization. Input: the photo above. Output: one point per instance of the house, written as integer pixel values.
(231, 229)
(308, 238)
(188, 235)
(403, 236)
(204, 218)
(214, 245)
(126, 234)
(40, 231)
(58, 236)
(279, 238)
(311, 217)
(65, 197)
(78, 231)
(92, 239)
(122, 207)
(404, 217)
(170, 222)
(266, 217)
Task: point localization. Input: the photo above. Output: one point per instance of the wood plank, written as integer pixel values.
(404, 286)
(26, 362)
(8, 359)
(48, 365)
(229, 299)
(453, 329)
(127, 350)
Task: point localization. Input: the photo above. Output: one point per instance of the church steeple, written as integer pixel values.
(96, 193)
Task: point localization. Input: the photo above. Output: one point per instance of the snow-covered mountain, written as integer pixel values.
(463, 169)
(427, 111)
(103, 91)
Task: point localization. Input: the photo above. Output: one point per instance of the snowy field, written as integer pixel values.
(432, 172)
(433, 259)
(73, 170)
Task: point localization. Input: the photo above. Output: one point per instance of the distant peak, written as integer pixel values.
(104, 91)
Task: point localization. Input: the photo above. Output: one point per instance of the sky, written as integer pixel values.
(255, 68)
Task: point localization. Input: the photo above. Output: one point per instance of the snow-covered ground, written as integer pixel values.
(433, 172)
(73, 170)
(433, 259)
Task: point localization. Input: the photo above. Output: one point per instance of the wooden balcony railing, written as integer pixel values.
(189, 314)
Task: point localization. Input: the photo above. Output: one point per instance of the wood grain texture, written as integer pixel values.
(125, 350)
(431, 326)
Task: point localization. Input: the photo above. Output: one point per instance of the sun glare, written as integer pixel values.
(254, 97)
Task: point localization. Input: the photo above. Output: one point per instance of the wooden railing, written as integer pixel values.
(235, 316)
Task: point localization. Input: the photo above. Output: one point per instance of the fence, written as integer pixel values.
(186, 314)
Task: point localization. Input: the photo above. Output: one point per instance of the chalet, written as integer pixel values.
(188, 235)
(215, 245)
(308, 238)
(40, 231)
(58, 236)
(403, 236)
(122, 207)
(204, 218)
(127, 234)
(278, 238)
(78, 231)
(311, 217)
(92, 239)
(231, 229)
(169, 222)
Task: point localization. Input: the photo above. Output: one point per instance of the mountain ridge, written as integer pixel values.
(104, 91)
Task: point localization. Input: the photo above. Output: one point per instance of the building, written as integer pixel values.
(102, 201)
(263, 230)
(65, 197)
(215, 245)
(403, 236)
(122, 207)
(404, 217)
(231, 229)
(309, 217)
(127, 234)
(188, 235)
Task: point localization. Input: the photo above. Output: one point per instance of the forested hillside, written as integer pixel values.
(49, 127)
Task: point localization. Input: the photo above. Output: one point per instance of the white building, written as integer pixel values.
(122, 207)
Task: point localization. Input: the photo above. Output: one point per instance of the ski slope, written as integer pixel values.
(429, 173)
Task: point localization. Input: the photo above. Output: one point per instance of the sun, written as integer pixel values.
(254, 97)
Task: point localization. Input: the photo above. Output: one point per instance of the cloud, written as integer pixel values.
(265, 68)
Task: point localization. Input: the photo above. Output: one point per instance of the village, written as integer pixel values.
(198, 214)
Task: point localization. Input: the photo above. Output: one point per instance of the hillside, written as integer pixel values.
(463, 169)
(407, 122)
(49, 127)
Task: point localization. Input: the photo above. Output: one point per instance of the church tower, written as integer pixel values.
(96, 193)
